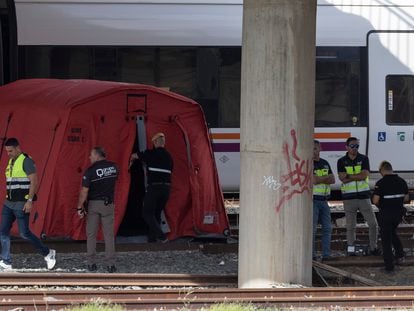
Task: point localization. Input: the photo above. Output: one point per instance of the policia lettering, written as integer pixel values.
(18, 184)
(350, 189)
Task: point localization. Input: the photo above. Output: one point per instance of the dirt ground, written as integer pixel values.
(371, 268)
(402, 275)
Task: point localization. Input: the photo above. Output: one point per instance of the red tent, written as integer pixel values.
(57, 123)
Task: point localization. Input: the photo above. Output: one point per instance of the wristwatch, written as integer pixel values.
(30, 200)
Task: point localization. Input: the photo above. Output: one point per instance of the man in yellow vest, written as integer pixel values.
(353, 171)
(322, 179)
(21, 187)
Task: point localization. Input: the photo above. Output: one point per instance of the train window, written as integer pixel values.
(177, 67)
(399, 99)
(338, 87)
(209, 75)
(229, 87)
(55, 62)
(137, 65)
(8, 42)
(218, 85)
(103, 64)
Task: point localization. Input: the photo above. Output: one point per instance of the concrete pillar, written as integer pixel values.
(277, 124)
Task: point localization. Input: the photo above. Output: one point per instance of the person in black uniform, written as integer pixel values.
(159, 169)
(98, 187)
(390, 193)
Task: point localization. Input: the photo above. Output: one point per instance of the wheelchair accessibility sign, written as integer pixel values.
(382, 136)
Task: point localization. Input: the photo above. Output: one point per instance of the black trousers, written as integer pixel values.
(155, 200)
(388, 222)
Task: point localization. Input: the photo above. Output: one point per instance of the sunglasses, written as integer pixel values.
(353, 146)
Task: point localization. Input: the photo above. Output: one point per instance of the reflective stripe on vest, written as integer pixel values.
(321, 189)
(17, 182)
(352, 188)
(394, 196)
(161, 170)
(9, 179)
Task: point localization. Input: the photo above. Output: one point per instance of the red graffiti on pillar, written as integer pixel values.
(298, 179)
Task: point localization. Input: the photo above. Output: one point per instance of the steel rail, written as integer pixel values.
(118, 279)
(401, 296)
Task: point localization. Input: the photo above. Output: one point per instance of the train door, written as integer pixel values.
(8, 42)
(391, 99)
(340, 104)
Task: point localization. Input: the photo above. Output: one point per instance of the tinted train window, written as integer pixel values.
(209, 75)
(399, 99)
(338, 87)
(8, 42)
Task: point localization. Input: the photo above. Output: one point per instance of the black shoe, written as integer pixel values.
(111, 269)
(163, 241)
(388, 270)
(92, 268)
(327, 258)
(400, 261)
(374, 252)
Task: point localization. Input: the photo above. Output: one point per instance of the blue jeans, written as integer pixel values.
(322, 214)
(8, 216)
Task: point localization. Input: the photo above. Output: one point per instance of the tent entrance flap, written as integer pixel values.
(133, 223)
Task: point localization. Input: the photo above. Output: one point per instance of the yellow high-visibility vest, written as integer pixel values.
(323, 190)
(17, 182)
(351, 189)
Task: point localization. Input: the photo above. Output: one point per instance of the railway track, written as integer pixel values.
(385, 297)
(116, 279)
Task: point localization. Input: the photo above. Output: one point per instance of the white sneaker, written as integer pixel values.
(51, 259)
(5, 266)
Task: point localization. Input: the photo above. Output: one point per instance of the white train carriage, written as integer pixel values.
(364, 64)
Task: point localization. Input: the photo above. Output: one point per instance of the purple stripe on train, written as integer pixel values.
(226, 147)
(333, 146)
(235, 147)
